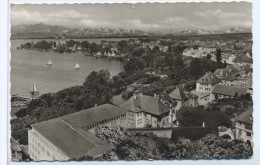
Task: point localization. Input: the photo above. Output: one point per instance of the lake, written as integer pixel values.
(29, 66)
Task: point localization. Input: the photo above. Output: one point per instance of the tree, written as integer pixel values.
(134, 64)
(218, 57)
(190, 116)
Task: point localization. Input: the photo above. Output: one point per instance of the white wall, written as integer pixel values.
(40, 148)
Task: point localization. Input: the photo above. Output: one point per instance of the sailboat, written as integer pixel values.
(34, 92)
(49, 63)
(77, 67)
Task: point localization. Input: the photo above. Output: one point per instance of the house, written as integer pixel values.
(72, 136)
(244, 124)
(249, 86)
(149, 111)
(226, 76)
(195, 53)
(204, 87)
(60, 42)
(228, 58)
(16, 151)
(235, 69)
(244, 60)
(243, 80)
(183, 98)
(207, 83)
(225, 91)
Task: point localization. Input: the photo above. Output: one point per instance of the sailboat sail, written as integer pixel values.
(77, 67)
(49, 63)
(34, 92)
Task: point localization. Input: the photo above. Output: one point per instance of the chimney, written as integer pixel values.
(154, 95)
(203, 124)
(177, 123)
(95, 105)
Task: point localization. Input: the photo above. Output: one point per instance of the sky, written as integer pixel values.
(141, 16)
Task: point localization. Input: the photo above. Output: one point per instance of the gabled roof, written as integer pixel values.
(143, 103)
(234, 69)
(209, 78)
(70, 133)
(225, 74)
(246, 116)
(94, 115)
(229, 90)
(74, 141)
(178, 94)
(244, 58)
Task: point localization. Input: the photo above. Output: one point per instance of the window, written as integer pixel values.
(248, 134)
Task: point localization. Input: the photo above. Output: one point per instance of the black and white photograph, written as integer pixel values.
(131, 81)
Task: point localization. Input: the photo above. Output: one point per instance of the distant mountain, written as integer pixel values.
(237, 30)
(47, 31)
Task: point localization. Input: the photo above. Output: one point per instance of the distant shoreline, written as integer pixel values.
(138, 36)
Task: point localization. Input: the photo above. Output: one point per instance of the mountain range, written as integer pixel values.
(47, 31)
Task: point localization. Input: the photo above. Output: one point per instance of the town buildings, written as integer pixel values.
(244, 129)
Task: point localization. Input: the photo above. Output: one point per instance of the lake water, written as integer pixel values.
(29, 66)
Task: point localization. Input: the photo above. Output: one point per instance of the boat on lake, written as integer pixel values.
(77, 67)
(34, 92)
(49, 63)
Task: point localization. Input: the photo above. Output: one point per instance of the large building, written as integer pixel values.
(72, 136)
(244, 129)
(147, 111)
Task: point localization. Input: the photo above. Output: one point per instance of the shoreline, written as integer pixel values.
(137, 36)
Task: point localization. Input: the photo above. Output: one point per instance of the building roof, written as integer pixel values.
(94, 115)
(246, 116)
(209, 78)
(234, 69)
(225, 74)
(74, 141)
(229, 90)
(244, 58)
(143, 103)
(178, 94)
(70, 133)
